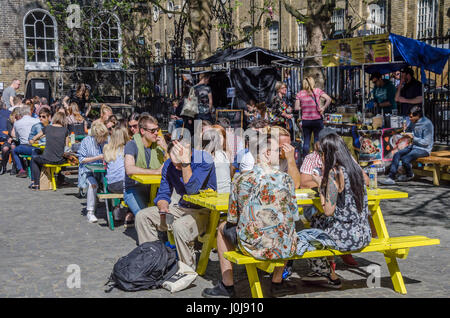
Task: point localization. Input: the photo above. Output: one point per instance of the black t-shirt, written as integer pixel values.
(55, 142)
(81, 102)
(410, 90)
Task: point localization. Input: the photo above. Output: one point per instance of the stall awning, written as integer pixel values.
(414, 53)
(256, 55)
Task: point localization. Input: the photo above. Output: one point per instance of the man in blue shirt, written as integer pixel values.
(421, 132)
(187, 172)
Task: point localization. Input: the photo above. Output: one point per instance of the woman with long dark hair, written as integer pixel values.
(344, 199)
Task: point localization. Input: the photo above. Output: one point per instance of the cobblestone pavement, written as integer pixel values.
(42, 233)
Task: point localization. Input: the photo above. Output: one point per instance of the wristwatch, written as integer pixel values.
(185, 165)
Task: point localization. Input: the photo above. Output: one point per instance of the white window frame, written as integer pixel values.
(338, 19)
(302, 36)
(426, 18)
(100, 60)
(377, 17)
(35, 65)
(155, 13)
(170, 7)
(274, 33)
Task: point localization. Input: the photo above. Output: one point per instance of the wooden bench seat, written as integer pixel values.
(436, 165)
(392, 248)
(115, 197)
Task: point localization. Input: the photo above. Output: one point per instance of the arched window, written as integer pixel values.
(426, 18)
(107, 40)
(377, 18)
(40, 40)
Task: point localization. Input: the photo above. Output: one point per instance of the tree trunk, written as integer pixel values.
(318, 29)
(200, 27)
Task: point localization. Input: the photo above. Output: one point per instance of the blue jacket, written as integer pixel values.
(423, 132)
(313, 239)
(203, 177)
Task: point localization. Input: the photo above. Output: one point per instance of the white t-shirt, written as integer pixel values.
(223, 177)
(22, 128)
(247, 162)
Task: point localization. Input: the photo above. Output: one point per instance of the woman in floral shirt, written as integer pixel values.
(261, 219)
(279, 110)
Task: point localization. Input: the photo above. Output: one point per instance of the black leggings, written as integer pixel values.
(36, 165)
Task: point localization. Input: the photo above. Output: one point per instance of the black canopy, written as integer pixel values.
(256, 55)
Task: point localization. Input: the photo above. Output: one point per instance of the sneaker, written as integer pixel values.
(387, 181)
(282, 289)
(335, 284)
(22, 174)
(287, 272)
(322, 280)
(349, 260)
(314, 277)
(91, 217)
(405, 178)
(218, 291)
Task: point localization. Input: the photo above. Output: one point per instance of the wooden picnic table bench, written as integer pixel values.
(436, 165)
(391, 247)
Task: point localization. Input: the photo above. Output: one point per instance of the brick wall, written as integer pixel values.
(12, 63)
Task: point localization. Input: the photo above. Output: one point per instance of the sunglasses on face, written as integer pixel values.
(151, 130)
(42, 116)
(134, 126)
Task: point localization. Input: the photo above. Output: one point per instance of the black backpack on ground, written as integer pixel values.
(146, 267)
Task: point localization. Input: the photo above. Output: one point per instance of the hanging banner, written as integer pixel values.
(356, 51)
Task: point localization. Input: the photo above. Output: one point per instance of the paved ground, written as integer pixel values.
(42, 233)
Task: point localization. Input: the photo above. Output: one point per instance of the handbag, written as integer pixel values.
(315, 101)
(182, 279)
(45, 180)
(190, 106)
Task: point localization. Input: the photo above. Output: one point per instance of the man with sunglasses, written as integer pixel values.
(144, 154)
(383, 93)
(421, 132)
(187, 171)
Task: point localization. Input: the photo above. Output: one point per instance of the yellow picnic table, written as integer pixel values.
(40, 146)
(219, 204)
(154, 180)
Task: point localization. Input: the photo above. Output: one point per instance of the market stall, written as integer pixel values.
(252, 74)
(374, 135)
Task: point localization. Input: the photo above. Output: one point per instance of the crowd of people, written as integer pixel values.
(259, 170)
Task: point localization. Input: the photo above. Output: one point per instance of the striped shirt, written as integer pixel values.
(311, 162)
(308, 105)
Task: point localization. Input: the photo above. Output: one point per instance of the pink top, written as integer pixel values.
(308, 105)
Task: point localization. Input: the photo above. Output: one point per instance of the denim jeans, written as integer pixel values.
(406, 155)
(137, 198)
(308, 127)
(27, 150)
